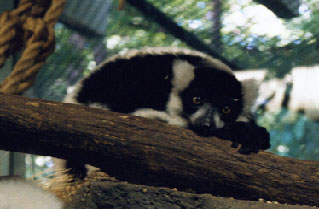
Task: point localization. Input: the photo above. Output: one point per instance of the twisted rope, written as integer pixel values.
(30, 25)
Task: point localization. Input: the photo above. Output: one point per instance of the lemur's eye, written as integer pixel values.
(197, 100)
(226, 110)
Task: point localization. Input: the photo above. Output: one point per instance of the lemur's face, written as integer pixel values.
(211, 104)
(208, 99)
(207, 116)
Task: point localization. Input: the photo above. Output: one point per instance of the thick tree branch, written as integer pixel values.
(151, 152)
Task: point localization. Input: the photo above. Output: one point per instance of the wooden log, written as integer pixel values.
(151, 152)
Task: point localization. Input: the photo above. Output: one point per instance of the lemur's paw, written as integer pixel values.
(251, 137)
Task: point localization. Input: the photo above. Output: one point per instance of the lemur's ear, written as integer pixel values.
(250, 89)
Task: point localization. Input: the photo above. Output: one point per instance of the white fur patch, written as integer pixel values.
(214, 63)
(159, 115)
(199, 113)
(99, 105)
(250, 93)
(219, 123)
(174, 105)
(17, 194)
(183, 74)
(72, 91)
(243, 118)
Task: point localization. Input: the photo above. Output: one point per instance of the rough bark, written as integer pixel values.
(150, 152)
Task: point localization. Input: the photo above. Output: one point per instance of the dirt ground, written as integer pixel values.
(121, 195)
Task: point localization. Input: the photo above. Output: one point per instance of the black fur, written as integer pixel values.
(249, 135)
(126, 85)
(145, 82)
(218, 88)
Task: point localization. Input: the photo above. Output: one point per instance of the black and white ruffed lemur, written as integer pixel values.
(182, 87)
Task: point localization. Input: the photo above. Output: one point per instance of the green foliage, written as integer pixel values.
(292, 134)
(278, 54)
(129, 29)
(192, 15)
